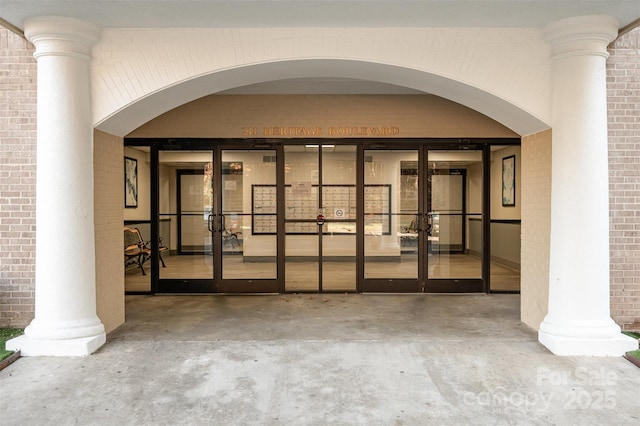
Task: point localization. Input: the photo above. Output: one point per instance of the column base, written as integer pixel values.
(617, 345)
(83, 346)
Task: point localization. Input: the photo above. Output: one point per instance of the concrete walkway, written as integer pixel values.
(321, 360)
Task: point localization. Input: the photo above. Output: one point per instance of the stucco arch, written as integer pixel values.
(502, 73)
(148, 107)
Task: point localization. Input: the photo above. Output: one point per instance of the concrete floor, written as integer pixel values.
(321, 360)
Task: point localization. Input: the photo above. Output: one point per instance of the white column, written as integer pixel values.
(65, 320)
(578, 320)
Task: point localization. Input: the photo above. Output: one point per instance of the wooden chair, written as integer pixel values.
(137, 251)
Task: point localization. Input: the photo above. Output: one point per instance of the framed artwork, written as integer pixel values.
(509, 181)
(130, 182)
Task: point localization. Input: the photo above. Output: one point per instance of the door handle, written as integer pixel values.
(210, 223)
(418, 222)
(427, 223)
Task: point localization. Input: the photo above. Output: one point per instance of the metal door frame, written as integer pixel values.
(246, 285)
(215, 284)
(390, 284)
(422, 145)
(282, 214)
(463, 285)
(423, 284)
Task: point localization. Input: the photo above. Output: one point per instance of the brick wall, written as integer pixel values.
(17, 179)
(623, 85)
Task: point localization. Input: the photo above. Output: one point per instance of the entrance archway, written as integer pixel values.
(160, 103)
(127, 118)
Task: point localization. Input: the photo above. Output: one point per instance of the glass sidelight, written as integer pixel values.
(186, 211)
(392, 220)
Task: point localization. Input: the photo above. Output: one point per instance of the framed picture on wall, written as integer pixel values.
(130, 182)
(509, 181)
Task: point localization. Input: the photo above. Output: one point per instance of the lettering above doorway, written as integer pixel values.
(346, 131)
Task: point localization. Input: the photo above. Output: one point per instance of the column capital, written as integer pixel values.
(581, 35)
(61, 36)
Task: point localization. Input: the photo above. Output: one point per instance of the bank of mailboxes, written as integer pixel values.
(301, 202)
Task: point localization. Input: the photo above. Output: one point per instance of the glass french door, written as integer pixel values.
(220, 237)
(417, 207)
(320, 218)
